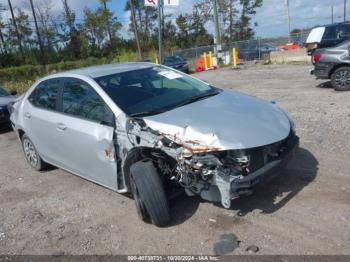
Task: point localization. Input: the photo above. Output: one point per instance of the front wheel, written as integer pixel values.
(149, 195)
(341, 79)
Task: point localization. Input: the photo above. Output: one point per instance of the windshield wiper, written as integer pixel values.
(186, 102)
(196, 98)
(149, 113)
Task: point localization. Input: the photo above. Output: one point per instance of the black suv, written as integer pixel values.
(333, 63)
(327, 36)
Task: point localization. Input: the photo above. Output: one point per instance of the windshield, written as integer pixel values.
(153, 90)
(3, 92)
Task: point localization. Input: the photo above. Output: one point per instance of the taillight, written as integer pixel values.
(316, 57)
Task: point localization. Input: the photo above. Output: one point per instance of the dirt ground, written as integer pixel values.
(304, 211)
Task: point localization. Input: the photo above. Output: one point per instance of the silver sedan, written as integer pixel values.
(153, 131)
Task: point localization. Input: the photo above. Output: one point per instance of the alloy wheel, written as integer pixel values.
(30, 153)
(342, 79)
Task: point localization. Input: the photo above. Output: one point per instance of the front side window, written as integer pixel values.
(80, 100)
(153, 90)
(45, 94)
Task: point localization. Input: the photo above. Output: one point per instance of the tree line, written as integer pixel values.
(37, 34)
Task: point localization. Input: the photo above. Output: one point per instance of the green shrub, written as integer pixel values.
(125, 56)
(19, 86)
(22, 77)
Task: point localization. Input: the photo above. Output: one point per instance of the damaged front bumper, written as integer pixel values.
(226, 187)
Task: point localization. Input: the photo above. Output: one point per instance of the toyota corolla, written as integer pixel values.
(152, 131)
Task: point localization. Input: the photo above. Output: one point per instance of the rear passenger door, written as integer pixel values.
(40, 117)
(85, 133)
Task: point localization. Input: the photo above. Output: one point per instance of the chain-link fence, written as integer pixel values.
(247, 50)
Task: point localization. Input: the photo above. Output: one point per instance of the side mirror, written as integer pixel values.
(13, 93)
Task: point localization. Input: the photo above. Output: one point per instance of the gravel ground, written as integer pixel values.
(305, 211)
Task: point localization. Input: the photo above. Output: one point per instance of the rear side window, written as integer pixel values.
(337, 32)
(45, 94)
(80, 100)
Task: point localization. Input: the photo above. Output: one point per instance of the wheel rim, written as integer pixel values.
(342, 79)
(140, 206)
(30, 153)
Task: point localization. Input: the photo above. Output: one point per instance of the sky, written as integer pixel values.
(271, 17)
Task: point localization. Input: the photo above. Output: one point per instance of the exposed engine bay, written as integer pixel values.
(215, 174)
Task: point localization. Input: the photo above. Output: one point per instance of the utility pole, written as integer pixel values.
(332, 11)
(2, 8)
(217, 28)
(104, 2)
(231, 22)
(160, 33)
(135, 28)
(17, 32)
(38, 32)
(345, 10)
(288, 16)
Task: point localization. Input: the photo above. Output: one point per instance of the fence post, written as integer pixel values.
(210, 59)
(234, 57)
(259, 48)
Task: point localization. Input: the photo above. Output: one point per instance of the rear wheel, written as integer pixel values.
(149, 195)
(341, 79)
(31, 155)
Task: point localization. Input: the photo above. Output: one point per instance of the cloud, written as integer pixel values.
(272, 16)
(56, 6)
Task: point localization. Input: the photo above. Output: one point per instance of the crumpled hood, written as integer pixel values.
(227, 121)
(6, 99)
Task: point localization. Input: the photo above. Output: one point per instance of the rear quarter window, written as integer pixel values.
(337, 32)
(45, 95)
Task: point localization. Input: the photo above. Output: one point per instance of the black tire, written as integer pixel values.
(149, 195)
(31, 154)
(341, 79)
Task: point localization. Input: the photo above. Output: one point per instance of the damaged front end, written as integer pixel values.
(220, 176)
(211, 171)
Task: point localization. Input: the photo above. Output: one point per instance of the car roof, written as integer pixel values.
(109, 69)
(333, 25)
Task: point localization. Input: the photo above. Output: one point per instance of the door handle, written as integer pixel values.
(61, 127)
(27, 115)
